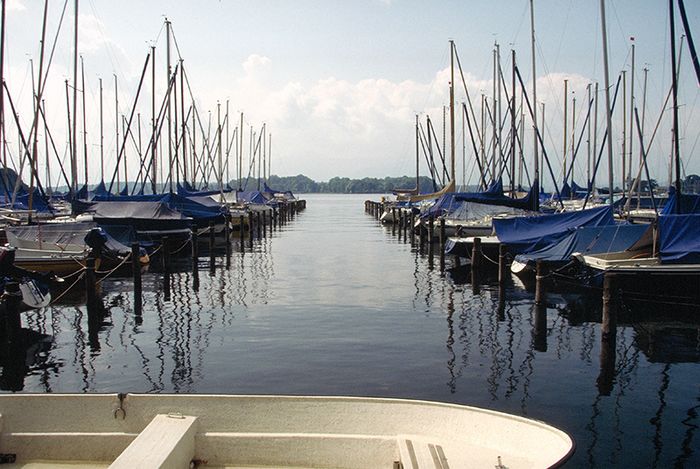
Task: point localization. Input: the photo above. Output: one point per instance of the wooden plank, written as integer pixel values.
(166, 442)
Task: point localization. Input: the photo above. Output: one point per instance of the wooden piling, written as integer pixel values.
(393, 220)
(227, 235)
(442, 244)
(251, 229)
(165, 256)
(609, 323)
(258, 224)
(136, 272)
(212, 241)
(540, 278)
(90, 283)
(166, 268)
(431, 229)
(501, 263)
(412, 227)
(539, 332)
(475, 264)
(241, 233)
(212, 238)
(11, 320)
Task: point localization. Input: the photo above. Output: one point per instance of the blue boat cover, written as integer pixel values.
(39, 203)
(287, 194)
(449, 203)
(196, 209)
(679, 239)
(588, 240)
(690, 203)
(254, 197)
(188, 191)
(528, 234)
(573, 191)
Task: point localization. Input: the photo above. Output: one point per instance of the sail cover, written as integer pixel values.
(679, 239)
(527, 234)
(588, 240)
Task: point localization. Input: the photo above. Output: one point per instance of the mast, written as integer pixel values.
(512, 127)
(74, 153)
(170, 125)
(184, 122)
(536, 180)
(116, 127)
(154, 143)
(228, 144)
(632, 104)
(624, 131)
(452, 112)
(219, 155)
(608, 117)
(566, 128)
(2, 96)
(573, 141)
(240, 155)
(102, 139)
(417, 156)
(85, 147)
(494, 119)
(591, 182)
(674, 87)
(588, 143)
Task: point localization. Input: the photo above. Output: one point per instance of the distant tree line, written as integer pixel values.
(341, 185)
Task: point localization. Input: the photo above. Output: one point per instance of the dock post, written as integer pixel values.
(227, 230)
(606, 377)
(274, 219)
(540, 291)
(442, 244)
(195, 261)
(404, 224)
(412, 227)
(90, 282)
(609, 324)
(212, 241)
(539, 332)
(476, 256)
(431, 229)
(12, 321)
(241, 233)
(166, 268)
(136, 272)
(258, 224)
(264, 223)
(251, 229)
(501, 264)
(400, 223)
(393, 220)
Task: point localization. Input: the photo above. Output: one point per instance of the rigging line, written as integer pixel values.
(131, 116)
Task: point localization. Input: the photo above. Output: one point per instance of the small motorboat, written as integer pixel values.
(216, 431)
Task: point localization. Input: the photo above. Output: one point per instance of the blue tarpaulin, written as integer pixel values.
(588, 240)
(528, 234)
(679, 239)
(448, 203)
(690, 203)
(196, 209)
(254, 197)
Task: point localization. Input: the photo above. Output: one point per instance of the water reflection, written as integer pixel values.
(332, 304)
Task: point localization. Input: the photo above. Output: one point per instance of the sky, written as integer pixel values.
(338, 84)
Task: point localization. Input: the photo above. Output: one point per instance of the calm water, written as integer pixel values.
(333, 304)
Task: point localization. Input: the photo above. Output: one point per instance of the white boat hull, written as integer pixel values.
(96, 430)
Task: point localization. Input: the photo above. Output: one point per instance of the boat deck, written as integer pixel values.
(145, 431)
